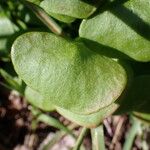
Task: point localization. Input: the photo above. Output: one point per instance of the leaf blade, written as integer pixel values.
(68, 73)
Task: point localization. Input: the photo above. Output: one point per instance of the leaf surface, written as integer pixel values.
(73, 8)
(123, 26)
(67, 73)
(91, 120)
(60, 17)
(63, 18)
(37, 100)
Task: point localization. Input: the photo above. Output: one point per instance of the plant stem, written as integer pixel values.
(131, 135)
(80, 138)
(41, 117)
(45, 18)
(54, 122)
(98, 142)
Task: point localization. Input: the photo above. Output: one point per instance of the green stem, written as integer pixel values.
(131, 135)
(97, 135)
(5, 85)
(53, 122)
(50, 121)
(80, 138)
(45, 18)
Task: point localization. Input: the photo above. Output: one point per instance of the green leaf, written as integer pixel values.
(60, 17)
(91, 120)
(73, 8)
(37, 100)
(6, 25)
(122, 26)
(63, 18)
(67, 73)
(7, 28)
(35, 1)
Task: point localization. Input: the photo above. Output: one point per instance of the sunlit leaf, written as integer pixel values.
(123, 26)
(92, 120)
(67, 73)
(73, 8)
(60, 17)
(63, 18)
(37, 100)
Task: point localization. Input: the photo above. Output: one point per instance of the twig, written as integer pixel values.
(108, 127)
(45, 18)
(117, 132)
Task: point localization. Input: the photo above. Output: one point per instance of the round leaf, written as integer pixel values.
(67, 73)
(125, 27)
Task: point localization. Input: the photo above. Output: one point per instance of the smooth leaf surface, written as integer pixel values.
(73, 8)
(68, 73)
(35, 1)
(123, 26)
(63, 18)
(91, 120)
(37, 100)
(60, 17)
